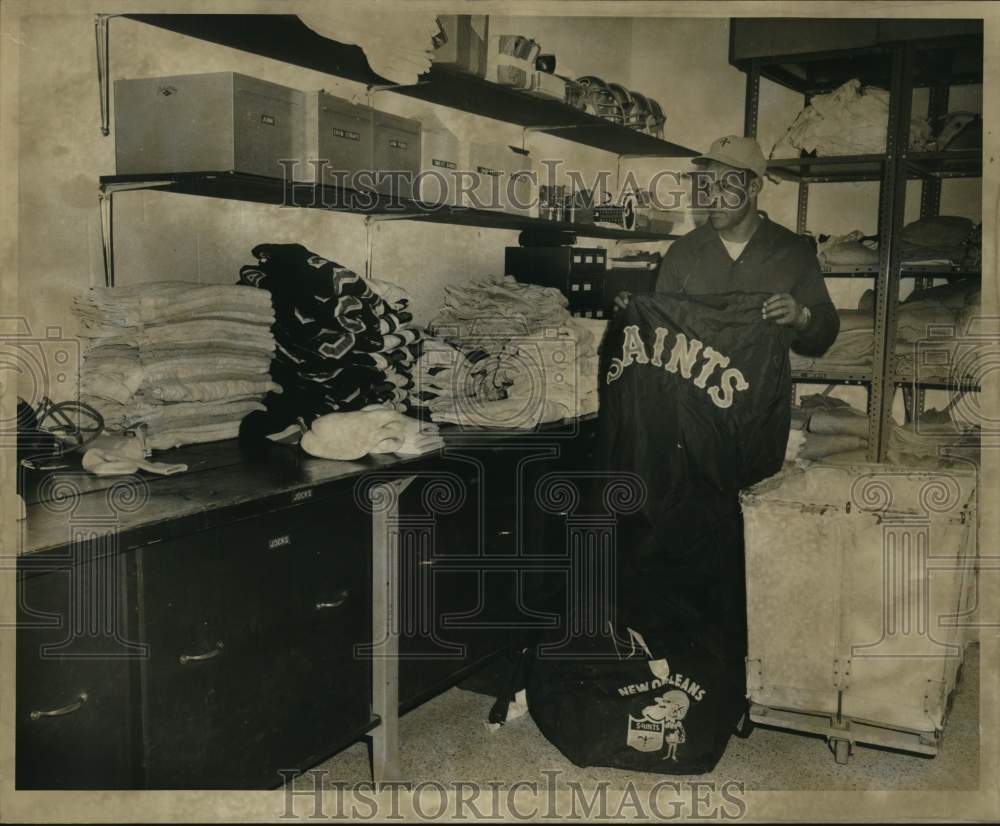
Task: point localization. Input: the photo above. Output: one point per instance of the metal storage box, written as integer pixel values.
(395, 148)
(338, 137)
(221, 121)
(860, 585)
(465, 39)
(442, 161)
(503, 179)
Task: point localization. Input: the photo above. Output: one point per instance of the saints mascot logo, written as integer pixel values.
(661, 724)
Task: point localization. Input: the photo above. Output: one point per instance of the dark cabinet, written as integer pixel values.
(75, 719)
(452, 596)
(237, 644)
(252, 631)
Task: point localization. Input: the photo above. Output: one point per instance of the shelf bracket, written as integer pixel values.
(132, 186)
(372, 88)
(565, 127)
(106, 204)
(105, 198)
(102, 37)
(379, 217)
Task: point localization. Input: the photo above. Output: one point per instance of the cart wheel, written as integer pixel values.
(841, 751)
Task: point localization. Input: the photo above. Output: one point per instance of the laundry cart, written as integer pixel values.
(860, 587)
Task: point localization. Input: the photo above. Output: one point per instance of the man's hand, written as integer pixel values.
(622, 299)
(782, 309)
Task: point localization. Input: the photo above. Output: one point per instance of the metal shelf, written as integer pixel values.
(846, 375)
(905, 271)
(286, 38)
(263, 190)
(954, 56)
(963, 163)
(904, 378)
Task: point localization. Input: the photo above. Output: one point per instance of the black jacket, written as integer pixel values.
(775, 260)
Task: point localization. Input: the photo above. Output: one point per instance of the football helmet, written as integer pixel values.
(599, 100)
(639, 113)
(656, 119)
(624, 98)
(645, 115)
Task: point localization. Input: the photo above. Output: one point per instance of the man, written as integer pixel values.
(739, 249)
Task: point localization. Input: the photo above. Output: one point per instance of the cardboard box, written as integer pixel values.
(464, 49)
(504, 179)
(338, 140)
(214, 122)
(395, 154)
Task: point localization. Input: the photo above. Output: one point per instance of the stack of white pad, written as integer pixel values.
(187, 361)
(508, 355)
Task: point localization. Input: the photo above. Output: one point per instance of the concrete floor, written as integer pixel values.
(446, 740)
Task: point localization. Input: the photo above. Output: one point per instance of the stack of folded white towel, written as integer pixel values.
(185, 360)
(508, 355)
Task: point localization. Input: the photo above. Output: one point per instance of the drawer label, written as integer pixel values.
(279, 542)
(347, 134)
(395, 144)
(302, 495)
(485, 170)
(267, 119)
(444, 164)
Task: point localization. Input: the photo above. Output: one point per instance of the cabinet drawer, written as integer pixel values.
(74, 725)
(450, 609)
(252, 630)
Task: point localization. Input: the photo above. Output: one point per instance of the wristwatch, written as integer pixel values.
(804, 318)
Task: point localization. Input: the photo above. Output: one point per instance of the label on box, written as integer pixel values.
(444, 164)
(267, 119)
(398, 144)
(485, 170)
(347, 134)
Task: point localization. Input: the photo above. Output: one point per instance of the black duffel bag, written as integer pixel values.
(667, 704)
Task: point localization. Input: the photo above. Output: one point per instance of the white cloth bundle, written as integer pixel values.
(851, 120)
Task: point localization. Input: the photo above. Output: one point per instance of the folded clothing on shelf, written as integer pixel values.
(943, 238)
(183, 362)
(853, 347)
(508, 353)
(851, 250)
(832, 430)
(339, 345)
(825, 426)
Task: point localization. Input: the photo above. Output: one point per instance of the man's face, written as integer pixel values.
(729, 192)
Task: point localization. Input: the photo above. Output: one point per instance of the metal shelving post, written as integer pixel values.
(892, 204)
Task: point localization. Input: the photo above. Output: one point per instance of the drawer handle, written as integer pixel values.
(59, 712)
(195, 658)
(337, 601)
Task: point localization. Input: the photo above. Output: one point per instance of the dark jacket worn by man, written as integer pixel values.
(775, 260)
